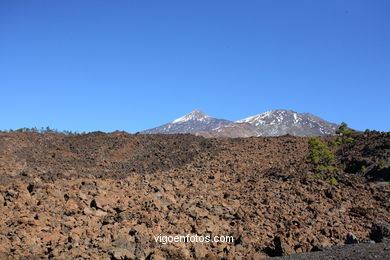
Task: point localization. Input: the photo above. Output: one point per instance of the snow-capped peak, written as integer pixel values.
(195, 121)
(271, 123)
(196, 115)
(270, 117)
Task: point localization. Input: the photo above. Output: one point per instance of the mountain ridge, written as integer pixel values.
(276, 122)
(196, 121)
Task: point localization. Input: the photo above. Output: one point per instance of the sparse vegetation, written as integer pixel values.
(321, 156)
(344, 134)
(333, 181)
(382, 163)
(323, 159)
(317, 176)
(42, 130)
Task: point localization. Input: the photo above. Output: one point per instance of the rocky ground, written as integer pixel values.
(365, 251)
(105, 196)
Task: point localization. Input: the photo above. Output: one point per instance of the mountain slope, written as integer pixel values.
(232, 130)
(282, 122)
(193, 122)
(275, 123)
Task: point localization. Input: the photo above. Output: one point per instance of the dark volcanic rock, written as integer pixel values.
(380, 231)
(368, 155)
(351, 239)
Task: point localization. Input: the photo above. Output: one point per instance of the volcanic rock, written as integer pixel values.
(380, 231)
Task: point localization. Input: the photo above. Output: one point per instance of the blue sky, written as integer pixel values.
(132, 65)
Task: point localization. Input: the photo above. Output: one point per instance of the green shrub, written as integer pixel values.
(326, 169)
(317, 176)
(333, 181)
(42, 130)
(344, 134)
(320, 154)
(323, 160)
(382, 163)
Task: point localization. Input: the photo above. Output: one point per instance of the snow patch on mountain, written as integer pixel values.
(191, 123)
(196, 115)
(281, 122)
(271, 123)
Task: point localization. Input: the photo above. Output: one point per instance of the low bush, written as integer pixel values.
(323, 160)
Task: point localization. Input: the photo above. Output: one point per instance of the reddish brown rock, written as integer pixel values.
(109, 195)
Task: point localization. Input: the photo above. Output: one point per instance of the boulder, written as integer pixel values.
(380, 231)
(351, 239)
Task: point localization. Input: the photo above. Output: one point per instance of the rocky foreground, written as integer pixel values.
(105, 196)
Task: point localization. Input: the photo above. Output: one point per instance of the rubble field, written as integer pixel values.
(106, 196)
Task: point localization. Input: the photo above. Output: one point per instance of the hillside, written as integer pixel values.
(101, 196)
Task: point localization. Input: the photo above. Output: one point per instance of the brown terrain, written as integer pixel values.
(105, 196)
(232, 130)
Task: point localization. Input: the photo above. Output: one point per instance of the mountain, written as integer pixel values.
(271, 123)
(231, 130)
(275, 123)
(195, 121)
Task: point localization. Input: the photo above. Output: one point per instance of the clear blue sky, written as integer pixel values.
(130, 65)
